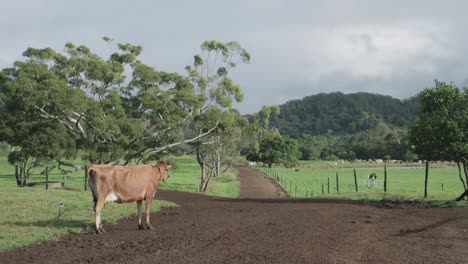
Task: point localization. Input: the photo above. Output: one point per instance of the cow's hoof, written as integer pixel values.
(150, 227)
(98, 231)
(140, 227)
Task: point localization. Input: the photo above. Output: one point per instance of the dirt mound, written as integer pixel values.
(262, 228)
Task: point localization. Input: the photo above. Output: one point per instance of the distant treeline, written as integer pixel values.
(349, 126)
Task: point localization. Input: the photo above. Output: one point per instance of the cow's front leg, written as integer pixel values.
(140, 211)
(149, 198)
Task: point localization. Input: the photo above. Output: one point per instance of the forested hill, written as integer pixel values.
(340, 114)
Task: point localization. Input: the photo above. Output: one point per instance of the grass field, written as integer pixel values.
(29, 214)
(402, 182)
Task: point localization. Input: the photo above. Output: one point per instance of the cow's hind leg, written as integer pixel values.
(149, 198)
(98, 210)
(140, 211)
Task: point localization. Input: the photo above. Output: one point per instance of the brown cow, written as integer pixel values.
(125, 184)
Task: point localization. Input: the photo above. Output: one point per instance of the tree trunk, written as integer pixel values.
(207, 181)
(218, 164)
(202, 177)
(22, 176)
(465, 169)
(460, 175)
(205, 177)
(18, 180)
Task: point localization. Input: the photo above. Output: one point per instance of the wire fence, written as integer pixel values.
(324, 187)
(48, 179)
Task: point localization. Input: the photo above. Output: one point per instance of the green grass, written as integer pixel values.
(186, 177)
(29, 214)
(402, 183)
(227, 185)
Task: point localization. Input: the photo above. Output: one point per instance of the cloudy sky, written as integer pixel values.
(298, 47)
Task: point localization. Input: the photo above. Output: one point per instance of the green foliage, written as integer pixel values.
(209, 74)
(278, 150)
(353, 126)
(54, 105)
(441, 132)
(339, 113)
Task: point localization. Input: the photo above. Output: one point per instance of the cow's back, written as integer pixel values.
(122, 184)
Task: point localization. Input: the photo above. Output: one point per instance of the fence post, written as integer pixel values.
(85, 178)
(295, 192)
(337, 183)
(47, 177)
(323, 192)
(385, 178)
(355, 180)
(425, 178)
(307, 194)
(328, 185)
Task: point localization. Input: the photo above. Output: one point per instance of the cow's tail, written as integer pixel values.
(91, 175)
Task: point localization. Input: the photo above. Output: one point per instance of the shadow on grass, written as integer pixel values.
(384, 204)
(185, 187)
(54, 223)
(289, 200)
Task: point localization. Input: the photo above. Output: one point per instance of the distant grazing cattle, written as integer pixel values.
(126, 184)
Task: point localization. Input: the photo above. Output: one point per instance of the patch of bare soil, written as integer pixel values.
(260, 227)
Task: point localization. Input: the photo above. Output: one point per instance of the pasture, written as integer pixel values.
(30, 214)
(403, 182)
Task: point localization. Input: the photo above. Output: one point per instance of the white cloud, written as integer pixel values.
(298, 48)
(361, 50)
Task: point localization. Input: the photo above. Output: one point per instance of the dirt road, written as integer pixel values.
(259, 227)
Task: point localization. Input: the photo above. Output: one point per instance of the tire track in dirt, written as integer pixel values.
(260, 228)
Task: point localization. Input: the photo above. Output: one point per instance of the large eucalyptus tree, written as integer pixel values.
(114, 109)
(209, 74)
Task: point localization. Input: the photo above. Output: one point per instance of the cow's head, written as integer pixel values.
(163, 169)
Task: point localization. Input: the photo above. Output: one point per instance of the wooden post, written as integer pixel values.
(85, 178)
(337, 183)
(355, 180)
(385, 178)
(442, 187)
(328, 185)
(425, 178)
(307, 194)
(47, 178)
(323, 192)
(295, 192)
